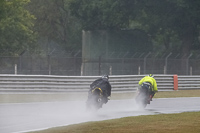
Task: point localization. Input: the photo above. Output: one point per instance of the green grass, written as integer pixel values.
(188, 122)
(160, 94)
(179, 93)
(163, 123)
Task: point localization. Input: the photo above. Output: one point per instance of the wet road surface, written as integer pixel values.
(24, 117)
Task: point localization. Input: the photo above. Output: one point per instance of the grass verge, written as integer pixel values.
(179, 93)
(188, 122)
(160, 94)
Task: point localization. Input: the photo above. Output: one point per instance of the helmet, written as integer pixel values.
(151, 75)
(105, 76)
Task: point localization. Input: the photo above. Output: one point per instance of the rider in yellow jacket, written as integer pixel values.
(150, 79)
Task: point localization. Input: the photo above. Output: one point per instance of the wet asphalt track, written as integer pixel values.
(24, 117)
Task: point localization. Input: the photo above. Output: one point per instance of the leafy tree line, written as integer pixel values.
(172, 25)
(54, 23)
(16, 27)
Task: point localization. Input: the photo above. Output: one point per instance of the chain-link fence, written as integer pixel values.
(40, 65)
(123, 64)
(134, 66)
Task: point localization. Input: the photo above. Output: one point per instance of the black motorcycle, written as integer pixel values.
(144, 95)
(95, 99)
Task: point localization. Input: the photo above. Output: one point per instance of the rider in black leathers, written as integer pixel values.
(105, 86)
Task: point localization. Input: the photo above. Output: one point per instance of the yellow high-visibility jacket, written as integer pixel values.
(150, 80)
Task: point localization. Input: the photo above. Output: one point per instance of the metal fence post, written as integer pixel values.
(49, 64)
(99, 65)
(145, 62)
(165, 70)
(15, 69)
(110, 70)
(187, 64)
(139, 70)
(190, 70)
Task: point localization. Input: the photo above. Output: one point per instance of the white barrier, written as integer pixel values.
(188, 82)
(52, 83)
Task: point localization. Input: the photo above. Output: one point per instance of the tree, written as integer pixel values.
(55, 23)
(103, 14)
(16, 23)
(171, 22)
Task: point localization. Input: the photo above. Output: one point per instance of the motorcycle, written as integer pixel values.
(95, 99)
(144, 95)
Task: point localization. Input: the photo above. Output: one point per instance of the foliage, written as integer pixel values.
(55, 23)
(173, 25)
(16, 23)
(102, 14)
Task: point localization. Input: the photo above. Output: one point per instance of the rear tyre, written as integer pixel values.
(141, 101)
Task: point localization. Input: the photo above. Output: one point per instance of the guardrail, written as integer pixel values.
(188, 82)
(50, 83)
